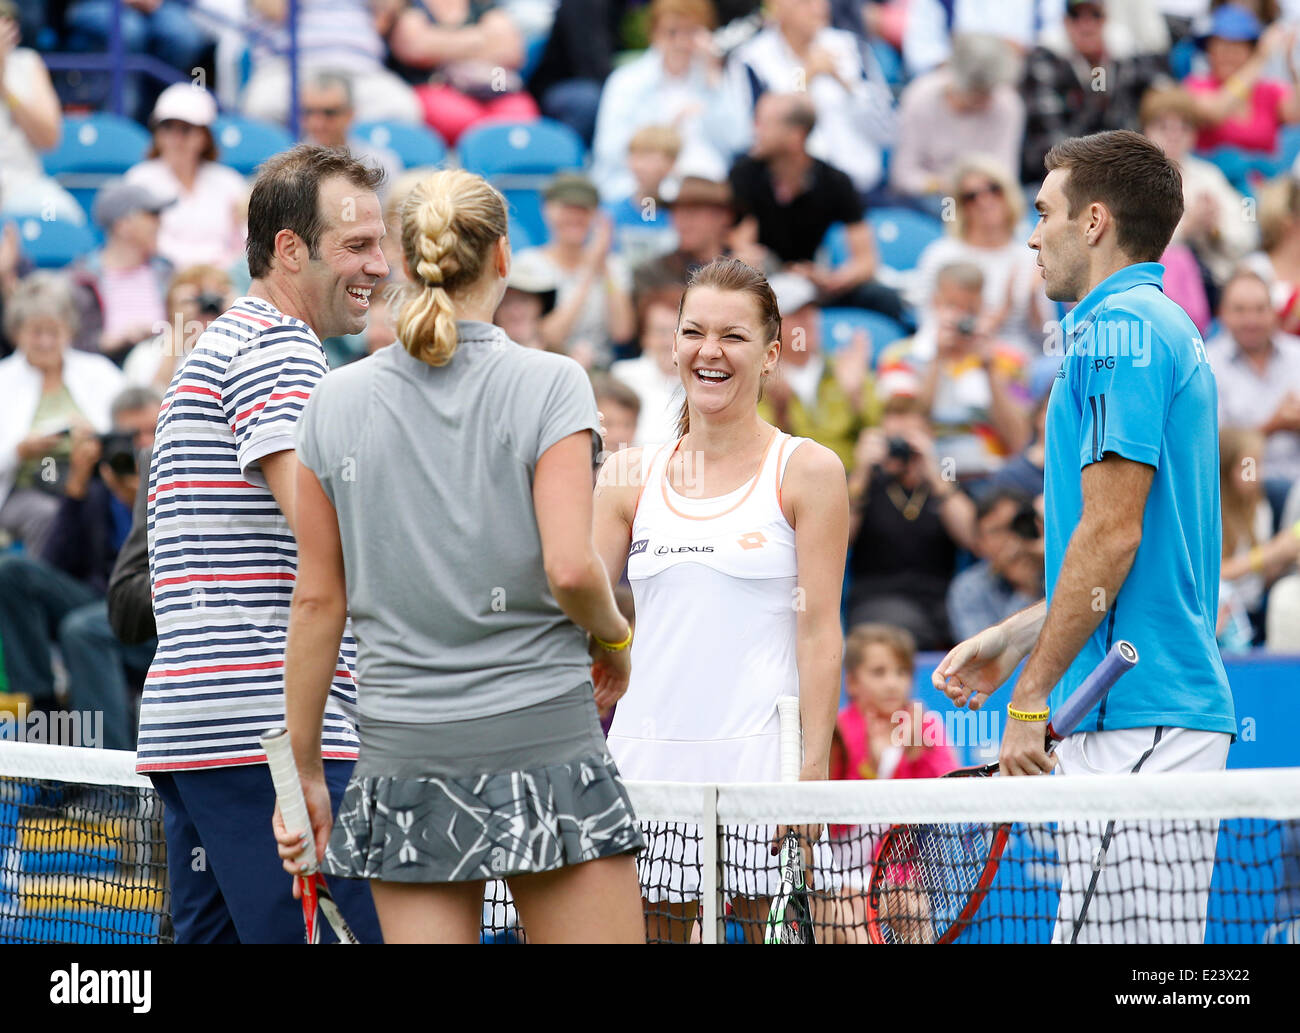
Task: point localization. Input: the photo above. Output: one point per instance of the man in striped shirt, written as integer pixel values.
(223, 557)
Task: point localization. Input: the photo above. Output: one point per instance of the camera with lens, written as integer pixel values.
(117, 449)
(1025, 523)
(899, 449)
(210, 303)
(966, 326)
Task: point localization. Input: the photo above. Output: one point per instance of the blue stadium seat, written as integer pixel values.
(415, 145)
(92, 150)
(520, 158)
(244, 143)
(840, 324)
(836, 243)
(902, 234)
(539, 148)
(53, 244)
(524, 206)
(102, 143)
(1288, 146)
(521, 237)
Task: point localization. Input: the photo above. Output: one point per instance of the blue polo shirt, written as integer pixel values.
(1135, 382)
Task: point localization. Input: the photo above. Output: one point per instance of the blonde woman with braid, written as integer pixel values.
(444, 499)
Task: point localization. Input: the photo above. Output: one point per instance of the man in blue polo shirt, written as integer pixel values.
(1133, 540)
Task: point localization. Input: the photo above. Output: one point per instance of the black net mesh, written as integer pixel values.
(86, 863)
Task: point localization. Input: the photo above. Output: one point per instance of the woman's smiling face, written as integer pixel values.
(721, 349)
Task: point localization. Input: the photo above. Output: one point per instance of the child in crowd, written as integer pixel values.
(642, 229)
(882, 733)
(619, 409)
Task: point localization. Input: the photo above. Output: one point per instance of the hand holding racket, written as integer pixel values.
(300, 852)
(789, 919)
(928, 881)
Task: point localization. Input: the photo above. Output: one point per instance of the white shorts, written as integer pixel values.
(1153, 883)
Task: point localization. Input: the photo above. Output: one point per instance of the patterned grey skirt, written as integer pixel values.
(531, 790)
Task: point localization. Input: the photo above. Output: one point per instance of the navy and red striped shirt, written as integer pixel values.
(222, 559)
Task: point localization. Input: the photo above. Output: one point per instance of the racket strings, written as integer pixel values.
(929, 874)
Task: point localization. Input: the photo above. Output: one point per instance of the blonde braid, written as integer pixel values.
(449, 222)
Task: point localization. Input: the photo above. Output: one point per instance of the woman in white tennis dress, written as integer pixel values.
(734, 537)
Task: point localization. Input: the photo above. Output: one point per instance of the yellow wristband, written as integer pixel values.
(1295, 529)
(1028, 715)
(614, 647)
(1256, 559)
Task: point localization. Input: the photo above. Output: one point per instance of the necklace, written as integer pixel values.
(911, 505)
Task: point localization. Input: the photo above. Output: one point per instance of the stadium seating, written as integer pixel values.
(93, 149)
(54, 243)
(414, 145)
(836, 245)
(244, 143)
(519, 158)
(543, 148)
(840, 324)
(902, 234)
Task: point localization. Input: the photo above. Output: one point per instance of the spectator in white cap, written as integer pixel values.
(127, 276)
(829, 399)
(530, 297)
(205, 225)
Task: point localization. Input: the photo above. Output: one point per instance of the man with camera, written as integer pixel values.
(1009, 574)
(971, 385)
(906, 523)
(58, 598)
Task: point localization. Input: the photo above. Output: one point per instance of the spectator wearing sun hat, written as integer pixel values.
(125, 280)
(204, 224)
(1237, 104)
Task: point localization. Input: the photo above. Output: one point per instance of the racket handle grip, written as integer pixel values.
(787, 708)
(1119, 661)
(288, 791)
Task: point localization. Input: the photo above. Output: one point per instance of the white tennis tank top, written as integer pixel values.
(714, 582)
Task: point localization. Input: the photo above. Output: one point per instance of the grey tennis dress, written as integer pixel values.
(481, 752)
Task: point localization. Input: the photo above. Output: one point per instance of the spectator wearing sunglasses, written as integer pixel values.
(969, 106)
(989, 207)
(202, 224)
(327, 112)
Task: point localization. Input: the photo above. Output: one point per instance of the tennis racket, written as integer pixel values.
(316, 897)
(928, 881)
(789, 920)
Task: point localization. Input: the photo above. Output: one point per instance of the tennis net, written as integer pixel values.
(1213, 857)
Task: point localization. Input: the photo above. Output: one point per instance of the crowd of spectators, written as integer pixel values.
(781, 136)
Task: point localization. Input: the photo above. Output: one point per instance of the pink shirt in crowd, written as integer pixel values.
(1256, 130)
(925, 762)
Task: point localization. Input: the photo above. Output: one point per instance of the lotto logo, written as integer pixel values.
(752, 540)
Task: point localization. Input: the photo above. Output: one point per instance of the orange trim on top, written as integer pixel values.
(663, 483)
(777, 477)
